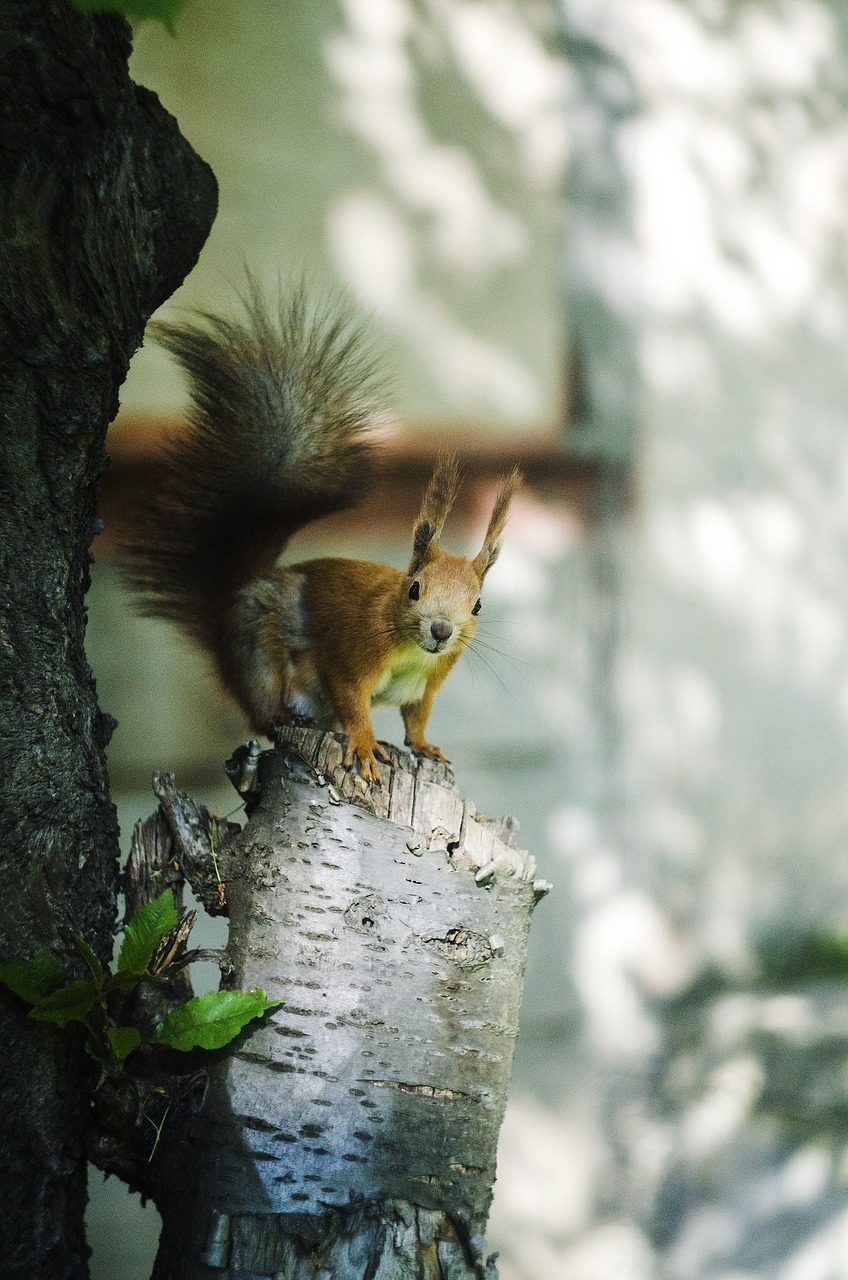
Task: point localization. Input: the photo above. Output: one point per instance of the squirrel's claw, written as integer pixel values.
(364, 756)
(428, 749)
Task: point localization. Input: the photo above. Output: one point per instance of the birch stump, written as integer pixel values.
(352, 1133)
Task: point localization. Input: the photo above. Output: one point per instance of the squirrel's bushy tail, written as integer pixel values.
(277, 437)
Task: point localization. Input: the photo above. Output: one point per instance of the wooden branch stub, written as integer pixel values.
(378, 1086)
(353, 1130)
(201, 843)
(150, 866)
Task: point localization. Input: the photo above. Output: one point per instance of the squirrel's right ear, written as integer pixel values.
(438, 500)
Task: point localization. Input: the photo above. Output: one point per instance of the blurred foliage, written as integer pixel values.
(789, 963)
(790, 1012)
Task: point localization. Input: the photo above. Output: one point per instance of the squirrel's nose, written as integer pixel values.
(441, 629)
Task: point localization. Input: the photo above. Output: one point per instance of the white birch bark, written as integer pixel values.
(353, 1132)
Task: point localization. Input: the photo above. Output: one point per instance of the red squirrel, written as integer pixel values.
(278, 435)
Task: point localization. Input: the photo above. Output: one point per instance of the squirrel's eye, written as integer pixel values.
(415, 590)
(478, 606)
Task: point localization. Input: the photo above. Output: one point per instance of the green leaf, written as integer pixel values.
(125, 981)
(32, 980)
(68, 1004)
(95, 968)
(150, 922)
(211, 1021)
(93, 1051)
(164, 11)
(122, 1040)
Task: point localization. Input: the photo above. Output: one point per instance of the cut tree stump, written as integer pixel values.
(353, 1131)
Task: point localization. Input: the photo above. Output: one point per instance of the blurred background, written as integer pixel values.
(605, 239)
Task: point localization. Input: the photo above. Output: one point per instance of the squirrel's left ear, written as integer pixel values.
(438, 500)
(491, 543)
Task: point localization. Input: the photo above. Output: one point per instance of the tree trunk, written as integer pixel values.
(353, 1131)
(103, 210)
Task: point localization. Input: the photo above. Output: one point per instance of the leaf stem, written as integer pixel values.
(158, 1128)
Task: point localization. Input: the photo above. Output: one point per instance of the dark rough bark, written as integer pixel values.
(352, 1133)
(103, 210)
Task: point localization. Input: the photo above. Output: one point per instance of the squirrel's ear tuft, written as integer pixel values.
(491, 543)
(423, 535)
(438, 500)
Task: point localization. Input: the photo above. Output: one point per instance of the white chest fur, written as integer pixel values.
(403, 684)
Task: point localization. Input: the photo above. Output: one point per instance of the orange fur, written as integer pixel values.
(325, 639)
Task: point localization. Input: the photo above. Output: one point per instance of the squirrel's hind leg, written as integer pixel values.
(265, 637)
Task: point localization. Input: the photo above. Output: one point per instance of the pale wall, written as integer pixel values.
(409, 155)
(713, 1141)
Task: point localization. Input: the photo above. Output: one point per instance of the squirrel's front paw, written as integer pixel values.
(367, 754)
(429, 749)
